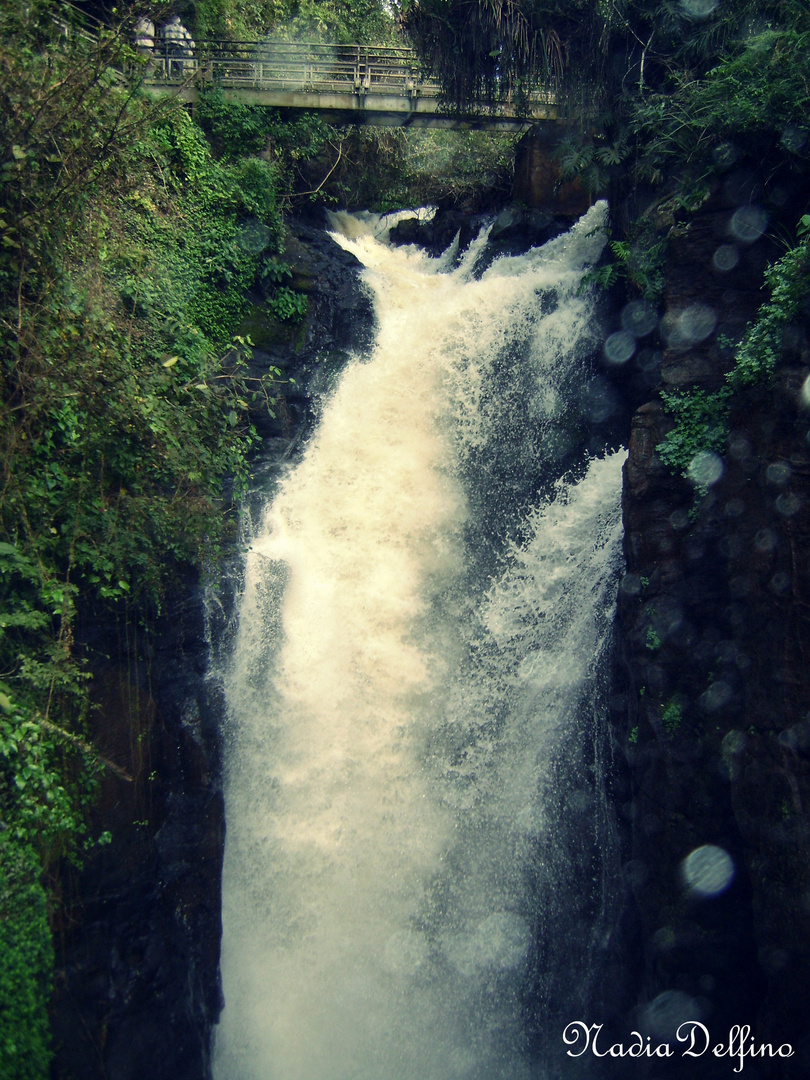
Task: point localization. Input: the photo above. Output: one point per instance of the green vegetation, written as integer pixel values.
(127, 250)
(701, 425)
(131, 233)
(701, 416)
(26, 963)
(752, 105)
(671, 717)
(692, 92)
(489, 52)
(335, 21)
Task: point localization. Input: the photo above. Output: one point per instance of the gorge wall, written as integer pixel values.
(714, 632)
(710, 707)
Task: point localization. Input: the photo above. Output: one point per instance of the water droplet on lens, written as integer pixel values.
(718, 695)
(679, 519)
(772, 959)
(765, 541)
(788, 504)
(726, 258)
(734, 508)
(664, 1015)
(793, 139)
(665, 939)
(725, 155)
(705, 468)
(708, 870)
(254, 237)
(639, 318)
(780, 582)
(692, 325)
(636, 873)
(778, 472)
(699, 9)
(748, 224)
(734, 743)
(619, 347)
(804, 397)
(739, 447)
(630, 585)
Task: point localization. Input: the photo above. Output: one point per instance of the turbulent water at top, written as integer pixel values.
(414, 863)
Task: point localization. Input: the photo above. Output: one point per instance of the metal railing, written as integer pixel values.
(303, 66)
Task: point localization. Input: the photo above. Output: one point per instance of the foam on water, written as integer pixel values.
(397, 718)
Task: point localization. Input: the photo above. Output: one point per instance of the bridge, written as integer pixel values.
(344, 84)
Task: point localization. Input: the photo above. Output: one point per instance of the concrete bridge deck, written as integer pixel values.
(345, 84)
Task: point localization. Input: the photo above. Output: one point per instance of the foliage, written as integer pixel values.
(460, 167)
(288, 305)
(701, 416)
(671, 716)
(589, 159)
(638, 261)
(497, 51)
(387, 169)
(237, 22)
(761, 348)
(753, 102)
(26, 965)
(235, 130)
(335, 21)
(127, 250)
(701, 424)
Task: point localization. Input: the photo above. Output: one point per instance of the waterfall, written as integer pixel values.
(412, 757)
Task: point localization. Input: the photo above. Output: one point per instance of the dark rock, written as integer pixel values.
(517, 228)
(714, 626)
(412, 230)
(437, 233)
(137, 983)
(340, 320)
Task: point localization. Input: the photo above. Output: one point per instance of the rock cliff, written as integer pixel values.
(714, 630)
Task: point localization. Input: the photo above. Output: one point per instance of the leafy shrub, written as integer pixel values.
(288, 305)
(701, 423)
(701, 417)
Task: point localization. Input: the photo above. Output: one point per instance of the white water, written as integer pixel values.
(400, 720)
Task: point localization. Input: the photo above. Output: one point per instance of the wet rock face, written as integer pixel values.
(714, 619)
(437, 233)
(339, 320)
(514, 230)
(137, 981)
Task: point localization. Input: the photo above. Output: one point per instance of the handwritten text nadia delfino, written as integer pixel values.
(693, 1036)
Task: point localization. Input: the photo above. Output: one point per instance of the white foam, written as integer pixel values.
(379, 819)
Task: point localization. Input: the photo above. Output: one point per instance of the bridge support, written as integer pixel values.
(538, 184)
(379, 110)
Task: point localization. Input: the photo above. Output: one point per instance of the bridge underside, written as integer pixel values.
(377, 109)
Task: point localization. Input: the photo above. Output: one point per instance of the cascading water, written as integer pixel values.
(412, 780)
